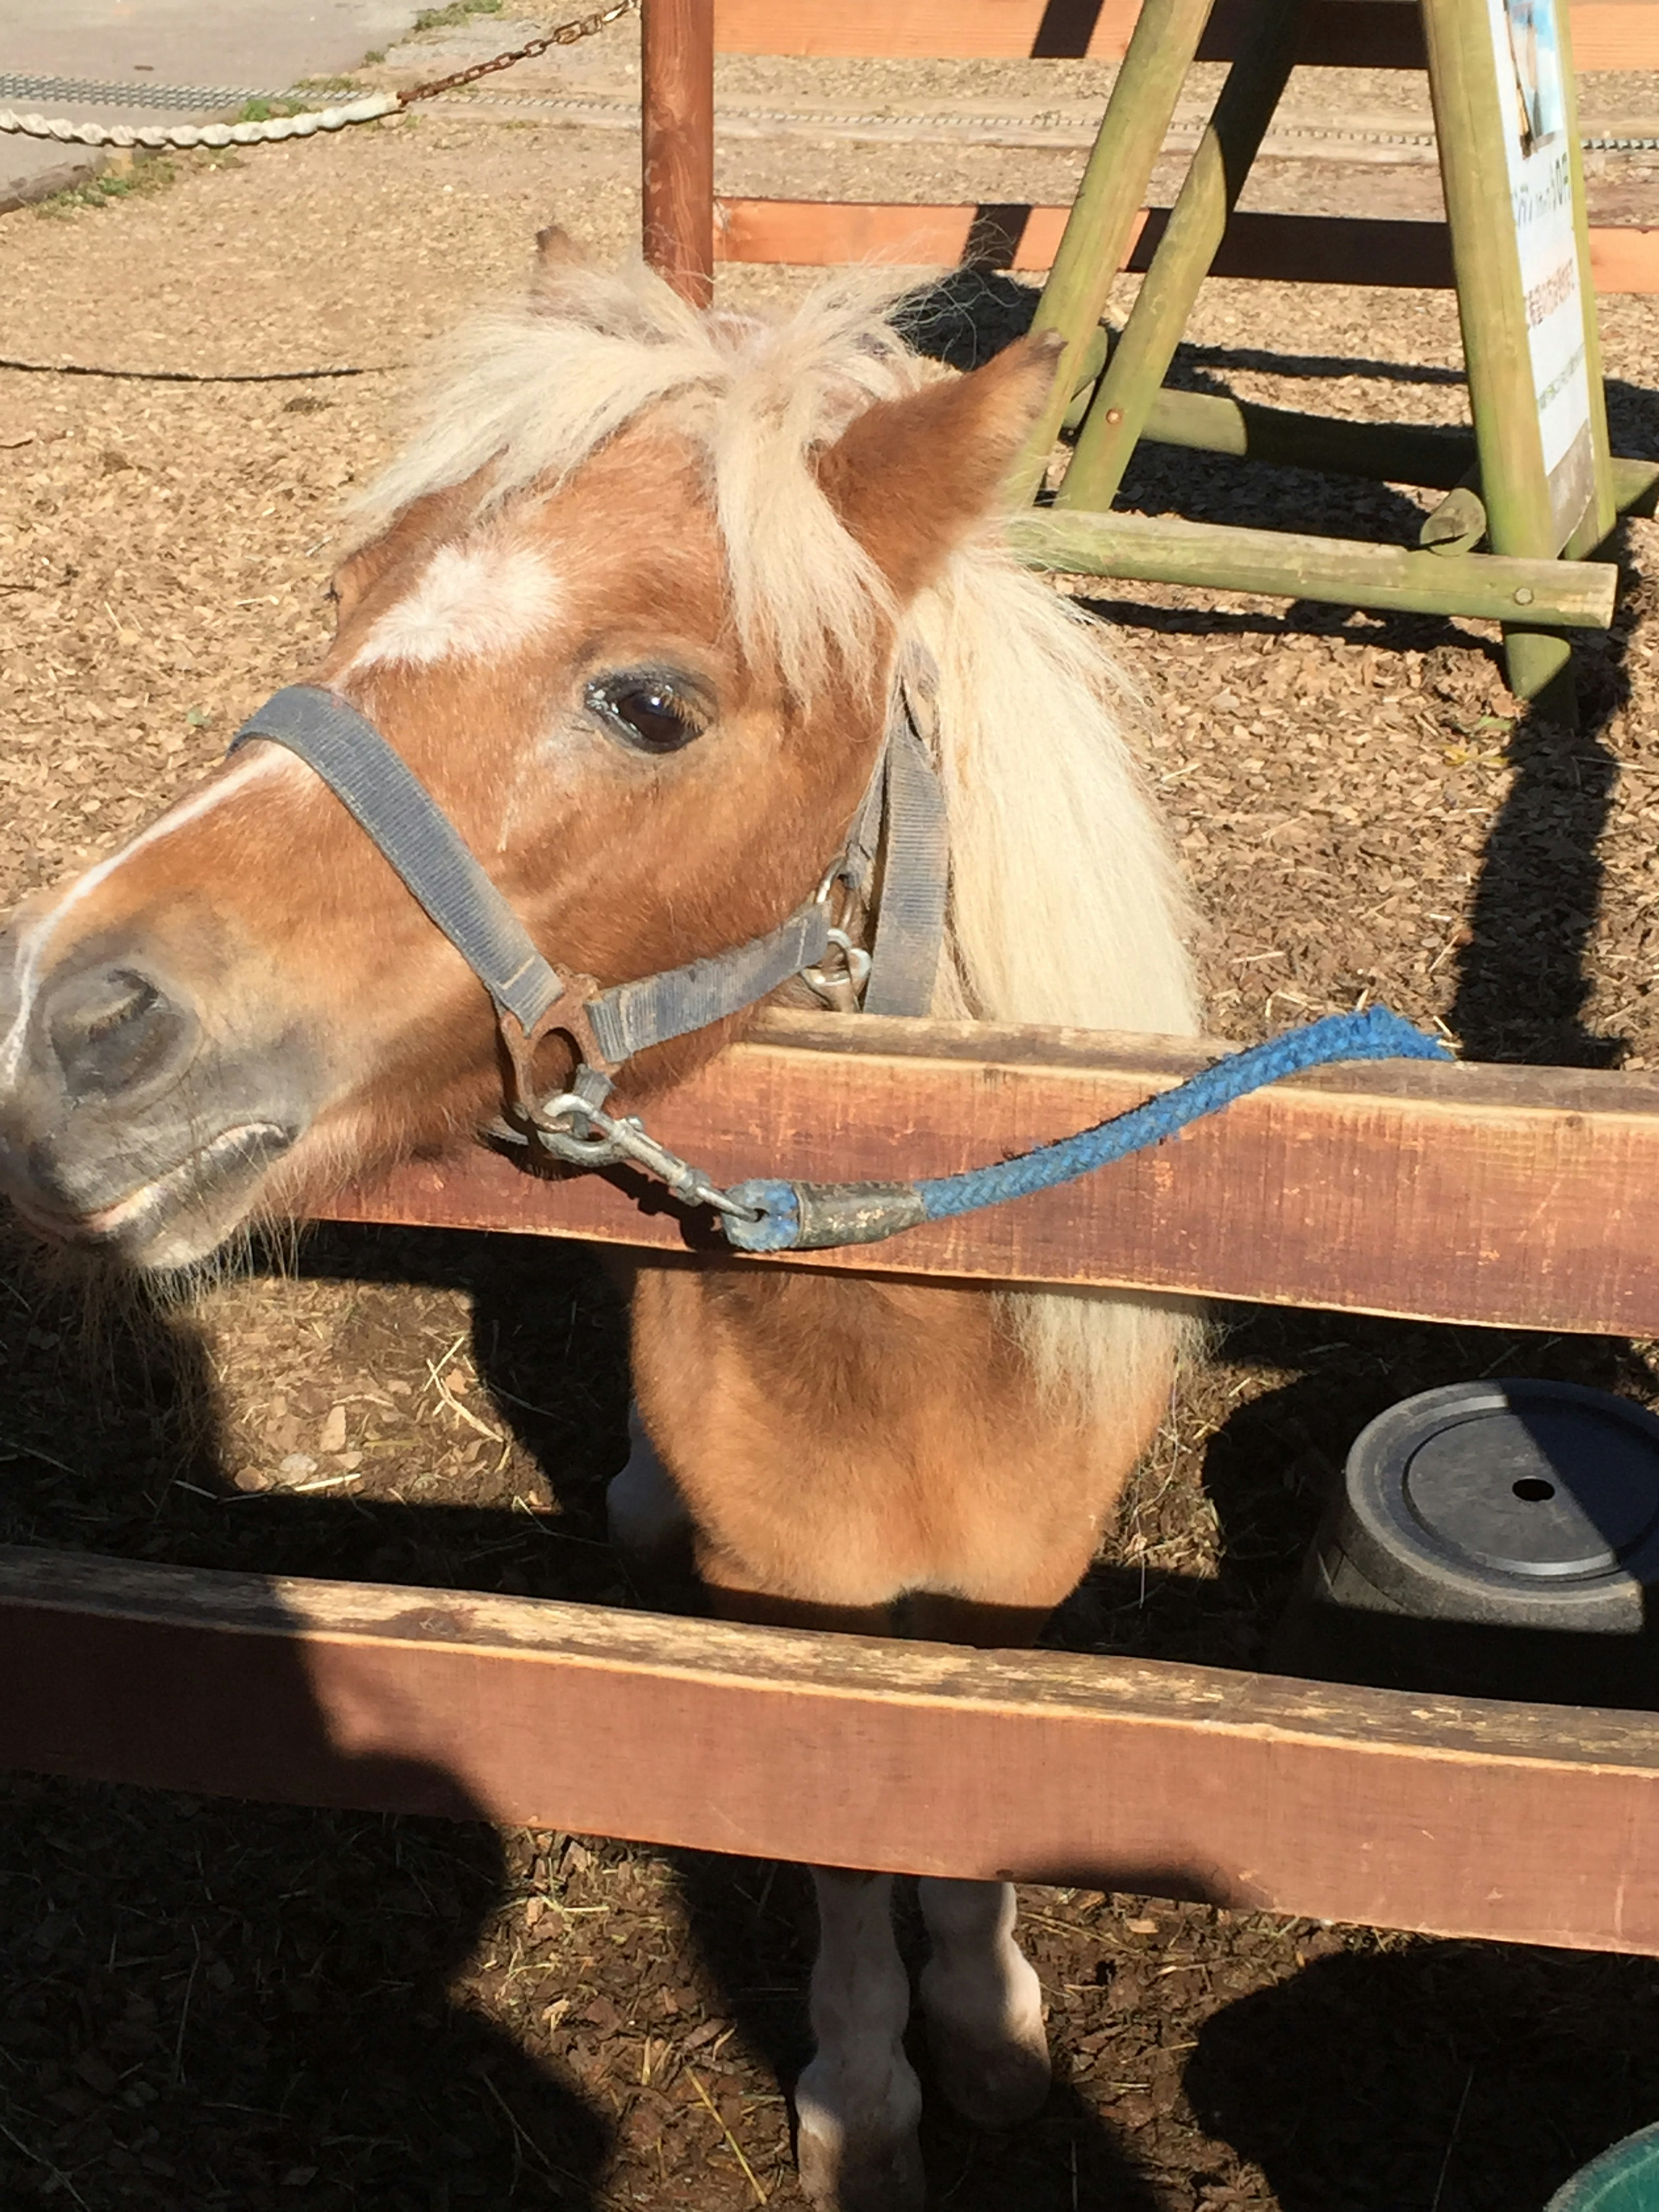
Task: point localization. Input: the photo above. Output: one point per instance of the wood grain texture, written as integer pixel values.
(1287, 564)
(1458, 1818)
(1516, 1196)
(1607, 34)
(677, 143)
(1297, 248)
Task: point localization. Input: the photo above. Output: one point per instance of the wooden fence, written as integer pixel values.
(1498, 1195)
(1607, 34)
(1521, 1195)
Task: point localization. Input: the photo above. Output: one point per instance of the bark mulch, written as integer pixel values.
(206, 2003)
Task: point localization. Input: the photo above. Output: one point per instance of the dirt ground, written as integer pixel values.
(208, 2004)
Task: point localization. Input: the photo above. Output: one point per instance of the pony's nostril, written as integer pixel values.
(113, 1030)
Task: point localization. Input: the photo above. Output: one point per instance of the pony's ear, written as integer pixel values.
(558, 256)
(911, 478)
(424, 523)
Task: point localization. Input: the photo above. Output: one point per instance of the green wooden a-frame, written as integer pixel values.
(1536, 481)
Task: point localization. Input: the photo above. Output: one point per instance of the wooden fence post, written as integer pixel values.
(677, 60)
(1473, 127)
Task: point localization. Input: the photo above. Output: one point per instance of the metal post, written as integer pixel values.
(676, 63)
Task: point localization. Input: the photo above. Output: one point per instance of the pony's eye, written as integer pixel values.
(646, 712)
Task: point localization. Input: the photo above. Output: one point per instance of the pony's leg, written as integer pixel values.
(858, 2102)
(983, 2004)
(648, 1522)
(979, 1993)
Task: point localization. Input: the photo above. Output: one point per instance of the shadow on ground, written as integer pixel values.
(210, 2003)
(1465, 2077)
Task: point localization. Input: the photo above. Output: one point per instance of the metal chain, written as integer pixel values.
(368, 109)
(565, 35)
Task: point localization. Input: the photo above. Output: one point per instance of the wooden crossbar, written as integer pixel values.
(1516, 1196)
(1301, 248)
(1459, 1818)
(1607, 34)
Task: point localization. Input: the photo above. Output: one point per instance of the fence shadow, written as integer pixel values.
(1467, 2077)
(297, 1965)
(212, 2004)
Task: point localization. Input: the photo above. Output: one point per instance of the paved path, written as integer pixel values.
(256, 43)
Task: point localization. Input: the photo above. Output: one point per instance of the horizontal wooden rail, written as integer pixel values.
(1522, 1196)
(1533, 1824)
(1394, 453)
(1306, 249)
(1342, 571)
(1607, 34)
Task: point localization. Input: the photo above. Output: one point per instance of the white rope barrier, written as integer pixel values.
(155, 135)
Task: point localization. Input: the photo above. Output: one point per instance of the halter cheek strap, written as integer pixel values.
(394, 809)
(532, 996)
(388, 801)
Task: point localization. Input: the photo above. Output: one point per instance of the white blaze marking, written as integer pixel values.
(470, 602)
(31, 952)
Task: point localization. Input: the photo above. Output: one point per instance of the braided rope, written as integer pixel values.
(789, 1217)
(1046, 122)
(155, 135)
(368, 109)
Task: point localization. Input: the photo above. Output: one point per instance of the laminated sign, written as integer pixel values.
(1532, 93)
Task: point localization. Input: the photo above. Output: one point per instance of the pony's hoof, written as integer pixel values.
(842, 2172)
(1001, 2084)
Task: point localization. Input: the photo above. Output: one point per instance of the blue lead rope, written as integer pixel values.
(799, 1216)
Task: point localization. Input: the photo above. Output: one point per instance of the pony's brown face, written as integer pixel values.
(244, 1005)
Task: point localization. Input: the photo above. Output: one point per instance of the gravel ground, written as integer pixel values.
(210, 2004)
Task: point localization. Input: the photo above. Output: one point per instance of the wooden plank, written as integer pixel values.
(1520, 1196)
(816, 233)
(1624, 257)
(1607, 34)
(1455, 1817)
(1295, 248)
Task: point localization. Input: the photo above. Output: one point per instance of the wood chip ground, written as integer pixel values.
(207, 2004)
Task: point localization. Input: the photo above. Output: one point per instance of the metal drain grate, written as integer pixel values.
(78, 91)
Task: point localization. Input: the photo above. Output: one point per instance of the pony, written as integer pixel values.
(629, 602)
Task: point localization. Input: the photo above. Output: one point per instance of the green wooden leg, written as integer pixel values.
(1137, 118)
(1117, 420)
(1538, 664)
(1605, 503)
(1471, 126)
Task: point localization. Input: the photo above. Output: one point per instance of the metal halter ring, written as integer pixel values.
(854, 973)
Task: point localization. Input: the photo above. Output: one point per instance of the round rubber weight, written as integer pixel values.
(1536, 1504)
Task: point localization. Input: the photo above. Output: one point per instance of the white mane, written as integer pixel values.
(1065, 907)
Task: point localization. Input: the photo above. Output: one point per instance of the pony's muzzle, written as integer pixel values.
(116, 1031)
(129, 1121)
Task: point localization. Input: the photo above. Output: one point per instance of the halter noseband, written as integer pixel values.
(532, 996)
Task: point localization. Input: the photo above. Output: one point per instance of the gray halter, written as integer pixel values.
(533, 997)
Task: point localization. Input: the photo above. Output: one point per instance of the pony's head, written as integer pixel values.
(628, 606)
